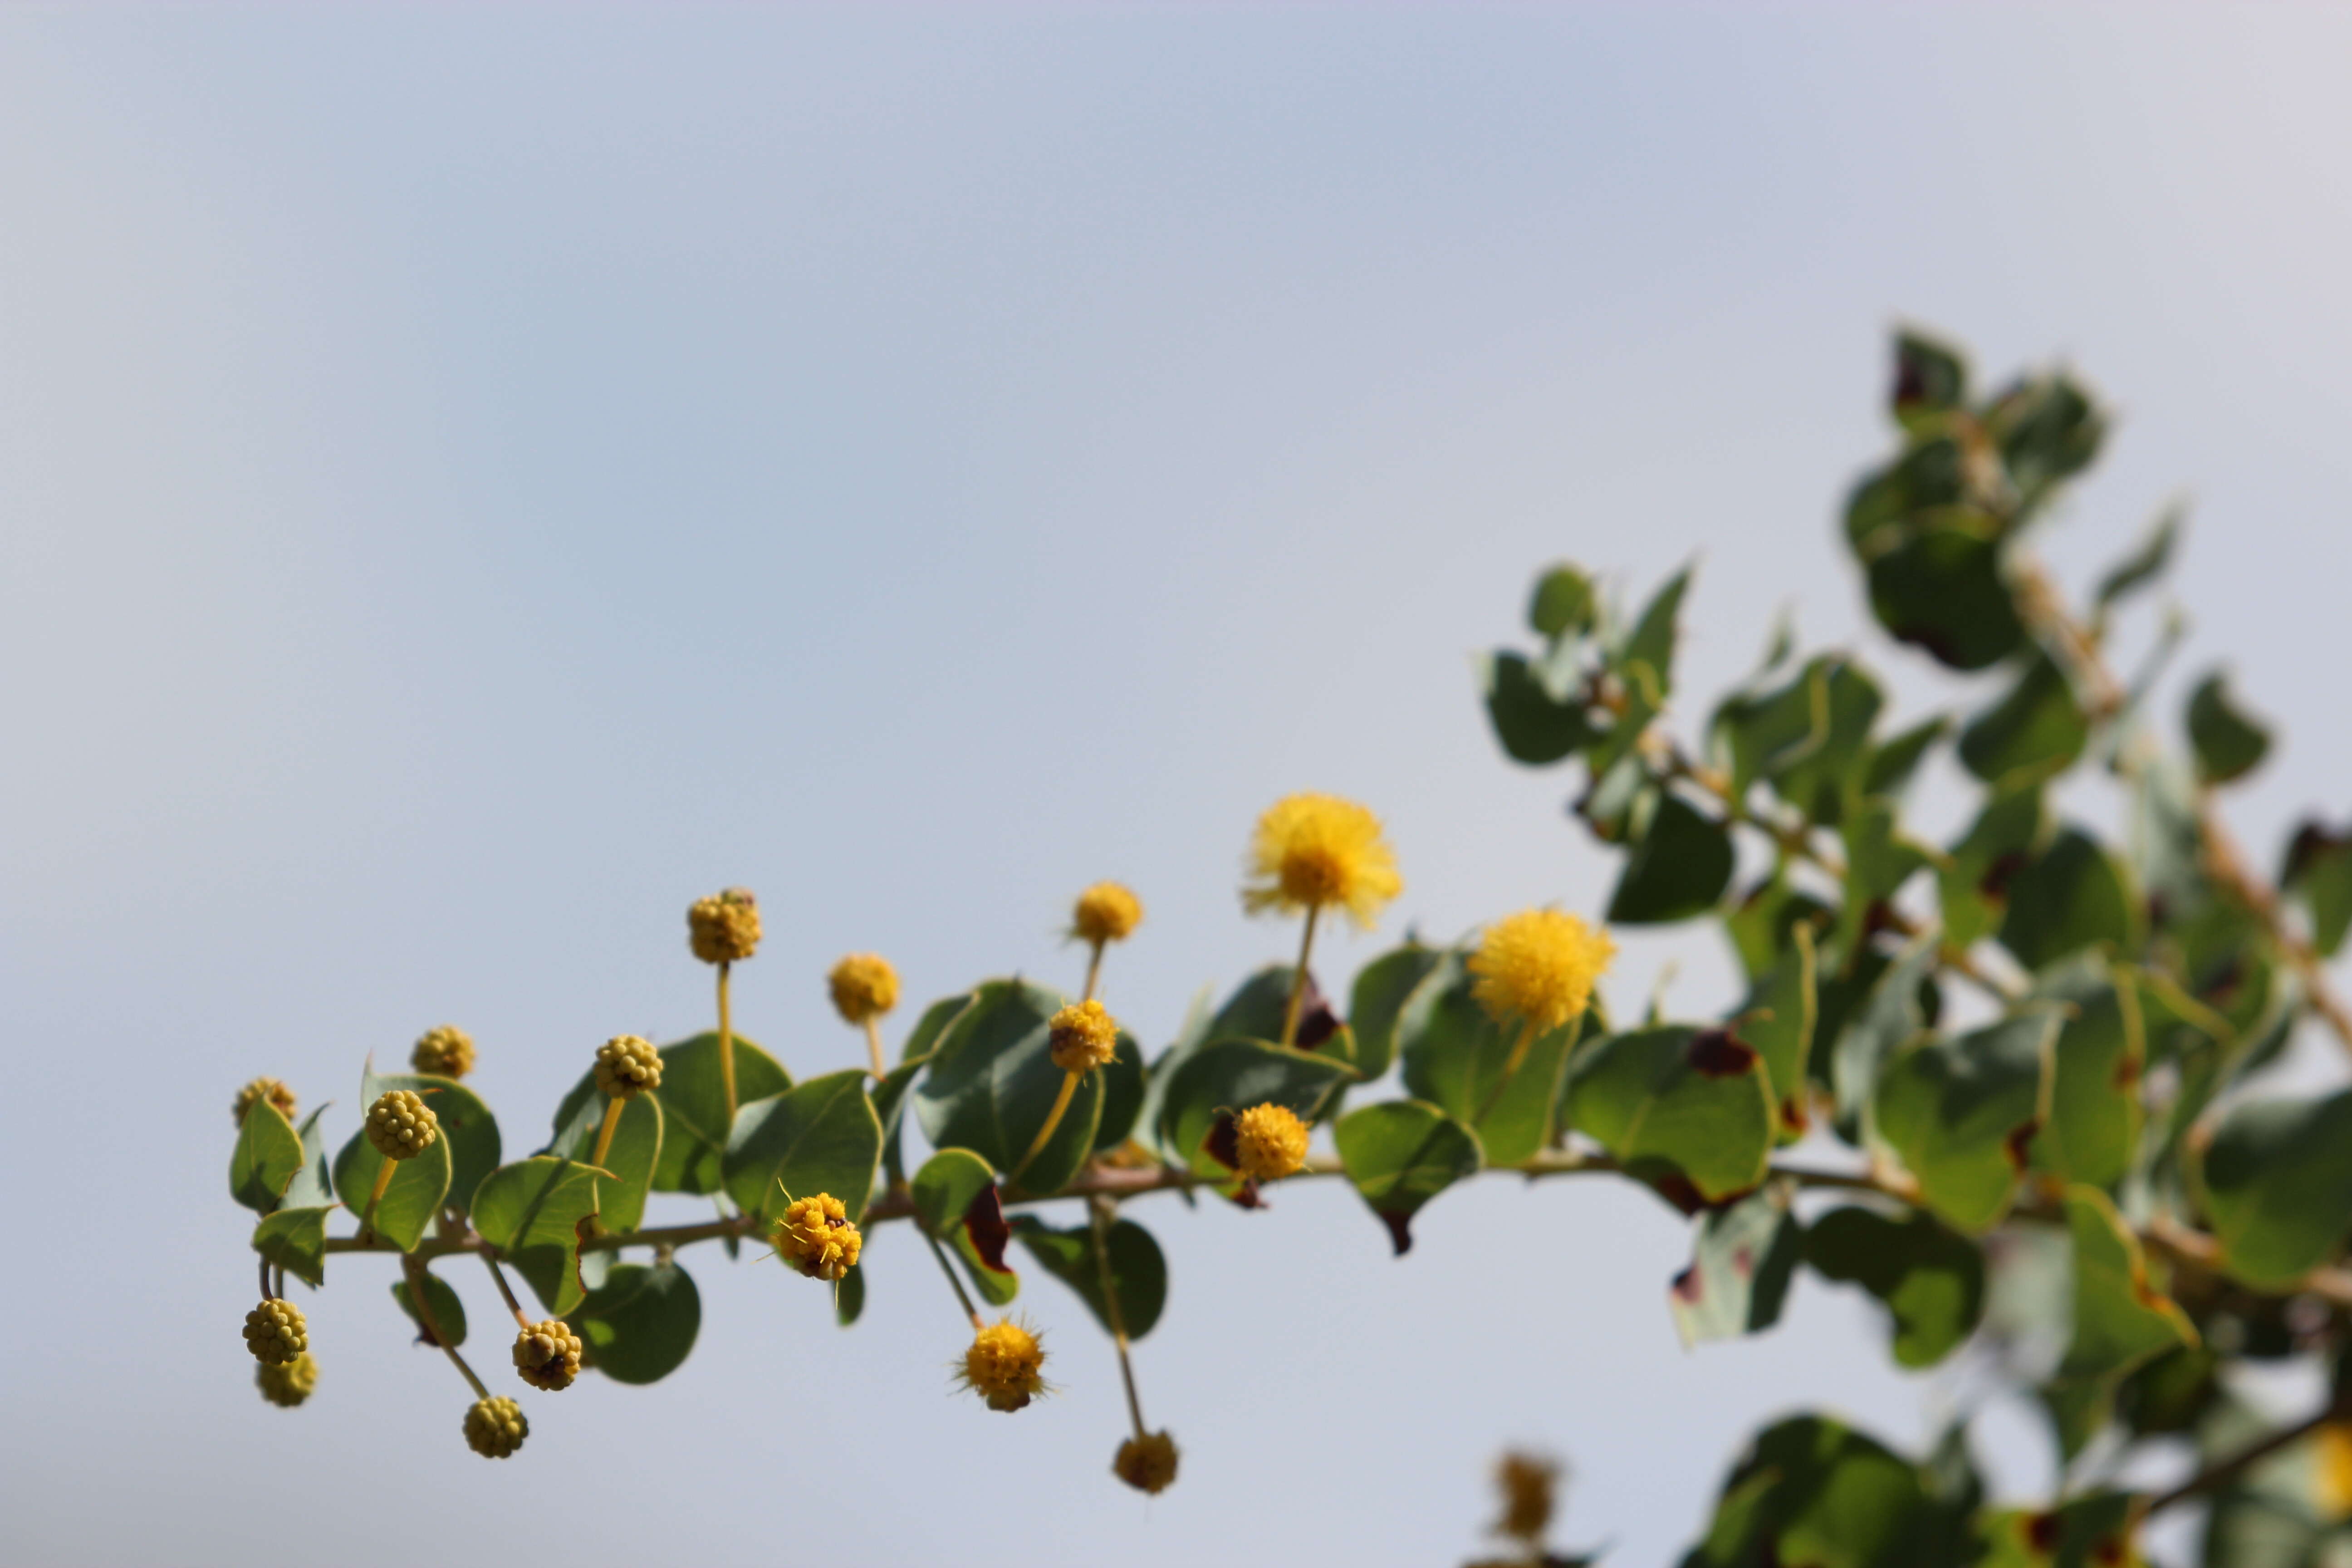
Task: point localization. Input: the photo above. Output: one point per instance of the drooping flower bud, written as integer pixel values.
(1147, 1463)
(494, 1427)
(288, 1383)
(275, 1333)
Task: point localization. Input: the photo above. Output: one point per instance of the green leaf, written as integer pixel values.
(1973, 884)
(639, 1325)
(1762, 925)
(1139, 1272)
(1939, 588)
(2228, 742)
(2318, 872)
(2120, 1318)
(2036, 731)
(997, 1287)
(890, 1096)
(1378, 996)
(466, 1127)
(2093, 1531)
(849, 1296)
(1930, 379)
(1680, 865)
(943, 1189)
(2072, 896)
(295, 1239)
(1960, 1114)
(1739, 1270)
(633, 1159)
(1888, 1021)
(2144, 565)
(1563, 604)
(1122, 1081)
(1256, 1009)
(1879, 861)
(2274, 1178)
(268, 1153)
(1234, 1075)
(531, 1211)
(1777, 1020)
(1455, 1055)
(1534, 727)
(1697, 1102)
(1647, 659)
(1815, 1492)
(1931, 1280)
(993, 1084)
(819, 1136)
(1400, 1153)
(2048, 430)
(312, 1187)
(2095, 1113)
(694, 1108)
(448, 1311)
(1927, 479)
(411, 1199)
(1892, 764)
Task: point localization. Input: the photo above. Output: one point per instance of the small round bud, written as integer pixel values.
(1106, 912)
(1147, 1463)
(864, 986)
(261, 1088)
(400, 1125)
(288, 1383)
(548, 1355)
(447, 1051)
(1002, 1365)
(725, 927)
(626, 1067)
(1082, 1036)
(1269, 1143)
(275, 1332)
(494, 1427)
(816, 1236)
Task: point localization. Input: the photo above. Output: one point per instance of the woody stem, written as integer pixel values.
(266, 1293)
(498, 1276)
(1510, 1068)
(1101, 1210)
(726, 1049)
(1298, 979)
(948, 1268)
(414, 1269)
(604, 1133)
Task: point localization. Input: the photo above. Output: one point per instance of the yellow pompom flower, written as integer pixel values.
(1003, 1364)
(261, 1088)
(2332, 1470)
(1107, 911)
(816, 1236)
(444, 1052)
(725, 927)
(1269, 1143)
(1538, 966)
(864, 986)
(1313, 850)
(1147, 1463)
(1082, 1036)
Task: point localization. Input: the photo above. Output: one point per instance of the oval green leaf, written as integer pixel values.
(821, 1136)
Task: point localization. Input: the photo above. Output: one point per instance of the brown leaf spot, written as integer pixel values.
(2020, 1141)
(2128, 1071)
(1246, 1197)
(2107, 1551)
(2042, 1531)
(1678, 1190)
(1687, 1288)
(1718, 1053)
(1223, 1142)
(1399, 1230)
(1793, 1115)
(1994, 883)
(984, 1222)
(1316, 1022)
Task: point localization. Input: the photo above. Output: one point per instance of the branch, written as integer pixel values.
(2221, 1472)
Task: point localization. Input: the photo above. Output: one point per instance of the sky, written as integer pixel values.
(473, 480)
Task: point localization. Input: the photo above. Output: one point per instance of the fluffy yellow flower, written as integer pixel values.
(1311, 850)
(725, 927)
(1147, 1463)
(1003, 1364)
(1082, 1036)
(864, 986)
(1106, 911)
(447, 1051)
(1269, 1143)
(261, 1088)
(1539, 965)
(816, 1236)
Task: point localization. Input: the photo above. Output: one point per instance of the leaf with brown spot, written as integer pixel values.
(984, 1223)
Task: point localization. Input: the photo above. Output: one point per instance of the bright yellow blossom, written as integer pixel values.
(1106, 911)
(1082, 1036)
(1269, 1143)
(1313, 850)
(864, 986)
(816, 1236)
(1538, 966)
(1002, 1365)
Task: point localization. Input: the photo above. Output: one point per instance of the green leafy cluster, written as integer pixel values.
(2002, 1081)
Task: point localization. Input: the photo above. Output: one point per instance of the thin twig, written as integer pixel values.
(2220, 1473)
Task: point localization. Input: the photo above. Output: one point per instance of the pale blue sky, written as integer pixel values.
(472, 480)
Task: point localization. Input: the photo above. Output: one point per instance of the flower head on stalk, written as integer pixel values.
(1313, 850)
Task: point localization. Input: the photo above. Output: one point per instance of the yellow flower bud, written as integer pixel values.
(261, 1088)
(1107, 911)
(725, 927)
(864, 986)
(816, 1236)
(1311, 850)
(1538, 966)
(275, 1333)
(1003, 1364)
(1269, 1143)
(447, 1051)
(400, 1125)
(1147, 1463)
(288, 1383)
(494, 1427)
(1082, 1036)
(547, 1355)
(626, 1067)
